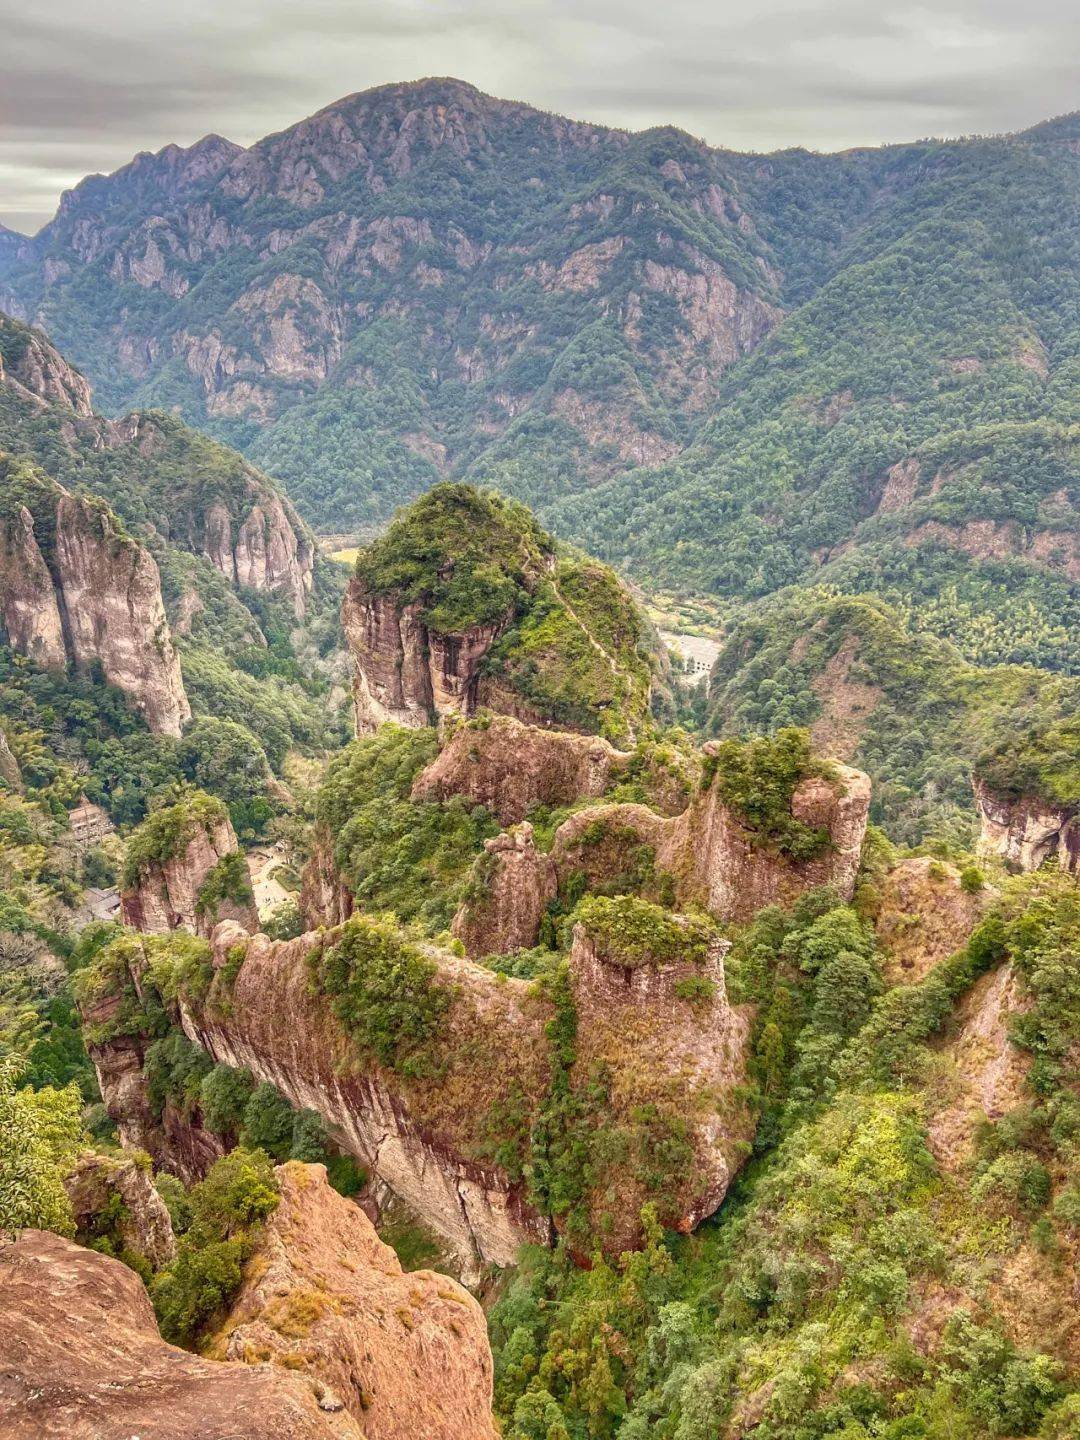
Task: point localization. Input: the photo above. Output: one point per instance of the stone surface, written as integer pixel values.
(145, 1226)
(83, 1360)
(1023, 831)
(166, 895)
(512, 768)
(512, 886)
(406, 1354)
(712, 858)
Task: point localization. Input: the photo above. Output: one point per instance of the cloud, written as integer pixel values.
(86, 87)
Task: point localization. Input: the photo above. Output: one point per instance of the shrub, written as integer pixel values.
(385, 992)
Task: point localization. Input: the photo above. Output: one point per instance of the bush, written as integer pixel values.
(268, 1121)
(225, 1212)
(224, 1095)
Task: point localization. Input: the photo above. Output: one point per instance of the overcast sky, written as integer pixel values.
(84, 85)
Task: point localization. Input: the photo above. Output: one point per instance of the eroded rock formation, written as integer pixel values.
(406, 1355)
(712, 856)
(83, 1360)
(405, 672)
(512, 886)
(143, 1226)
(174, 892)
(664, 1028)
(512, 768)
(175, 1141)
(422, 1138)
(75, 587)
(266, 549)
(1024, 831)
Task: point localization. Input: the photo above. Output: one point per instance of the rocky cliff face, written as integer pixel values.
(415, 1138)
(83, 1359)
(74, 587)
(144, 1226)
(1025, 831)
(714, 857)
(403, 672)
(324, 897)
(512, 886)
(428, 1133)
(406, 1355)
(176, 1142)
(197, 494)
(36, 370)
(664, 1028)
(269, 550)
(171, 893)
(512, 768)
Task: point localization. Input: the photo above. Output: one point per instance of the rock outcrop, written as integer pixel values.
(710, 855)
(715, 858)
(448, 1132)
(1024, 831)
(512, 886)
(83, 1360)
(406, 1355)
(75, 587)
(176, 890)
(325, 899)
(421, 1138)
(664, 1028)
(268, 549)
(512, 768)
(33, 366)
(405, 672)
(100, 1183)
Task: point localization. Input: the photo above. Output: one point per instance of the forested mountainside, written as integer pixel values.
(150, 573)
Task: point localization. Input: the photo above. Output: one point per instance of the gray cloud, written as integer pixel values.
(85, 87)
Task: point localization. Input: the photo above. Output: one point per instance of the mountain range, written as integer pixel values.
(724, 373)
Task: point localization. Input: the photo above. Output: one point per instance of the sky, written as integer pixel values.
(87, 86)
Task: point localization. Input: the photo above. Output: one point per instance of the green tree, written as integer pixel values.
(40, 1136)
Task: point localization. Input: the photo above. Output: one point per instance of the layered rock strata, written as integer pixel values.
(1024, 831)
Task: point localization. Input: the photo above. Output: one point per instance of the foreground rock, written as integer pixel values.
(1024, 830)
(74, 587)
(83, 1360)
(406, 1354)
